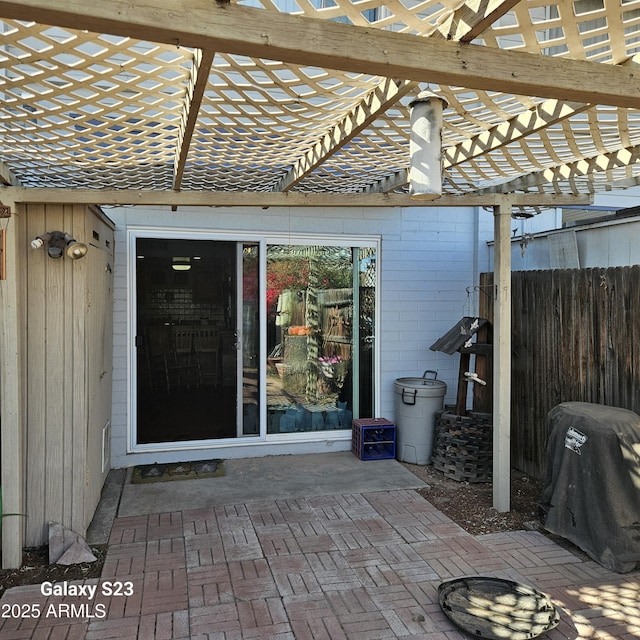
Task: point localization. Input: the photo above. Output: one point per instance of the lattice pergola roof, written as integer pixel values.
(312, 96)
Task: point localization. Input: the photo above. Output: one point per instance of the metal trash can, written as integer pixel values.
(417, 400)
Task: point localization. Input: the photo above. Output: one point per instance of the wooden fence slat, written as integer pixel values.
(574, 338)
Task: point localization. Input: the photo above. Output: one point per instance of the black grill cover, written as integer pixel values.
(591, 493)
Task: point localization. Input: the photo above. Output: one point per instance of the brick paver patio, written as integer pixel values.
(355, 567)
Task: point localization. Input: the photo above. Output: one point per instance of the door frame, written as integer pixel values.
(180, 233)
(262, 239)
(350, 242)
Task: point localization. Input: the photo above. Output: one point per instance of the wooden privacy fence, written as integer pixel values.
(575, 337)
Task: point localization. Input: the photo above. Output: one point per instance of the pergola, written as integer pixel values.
(305, 103)
(310, 97)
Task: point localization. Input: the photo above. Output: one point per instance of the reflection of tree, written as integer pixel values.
(282, 275)
(333, 265)
(250, 279)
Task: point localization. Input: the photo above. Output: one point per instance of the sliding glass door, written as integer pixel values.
(223, 327)
(320, 336)
(197, 340)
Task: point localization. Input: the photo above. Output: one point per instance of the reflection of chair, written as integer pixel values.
(229, 357)
(158, 348)
(183, 367)
(206, 345)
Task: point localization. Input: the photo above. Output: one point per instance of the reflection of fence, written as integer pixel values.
(575, 337)
(327, 335)
(367, 315)
(336, 321)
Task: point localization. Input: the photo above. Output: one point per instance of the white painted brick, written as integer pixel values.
(426, 259)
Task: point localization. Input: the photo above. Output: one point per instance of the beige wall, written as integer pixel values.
(66, 356)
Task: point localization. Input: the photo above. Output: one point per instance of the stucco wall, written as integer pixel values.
(429, 256)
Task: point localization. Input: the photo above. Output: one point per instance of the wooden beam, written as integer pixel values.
(376, 102)
(484, 13)
(390, 183)
(540, 117)
(233, 28)
(7, 177)
(195, 91)
(272, 199)
(468, 21)
(569, 171)
(622, 183)
(502, 358)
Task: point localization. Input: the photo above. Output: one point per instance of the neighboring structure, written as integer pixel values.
(604, 235)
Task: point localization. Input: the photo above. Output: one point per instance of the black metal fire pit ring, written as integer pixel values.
(497, 609)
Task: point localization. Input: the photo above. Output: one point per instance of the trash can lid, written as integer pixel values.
(420, 383)
(421, 387)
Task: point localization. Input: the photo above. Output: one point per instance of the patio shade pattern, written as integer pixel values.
(94, 97)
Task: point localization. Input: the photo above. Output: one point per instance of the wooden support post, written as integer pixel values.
(11, 434)
(502, 358)
(483, 395)
(463, 385)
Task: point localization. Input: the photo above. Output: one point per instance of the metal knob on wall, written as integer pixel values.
(60, 244)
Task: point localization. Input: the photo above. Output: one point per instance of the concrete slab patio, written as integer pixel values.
(269, 478)
(354, 565)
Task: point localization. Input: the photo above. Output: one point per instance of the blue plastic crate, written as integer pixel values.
(373, 439)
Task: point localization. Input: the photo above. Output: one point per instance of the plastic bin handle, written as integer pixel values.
(435, 375)
(415, 393)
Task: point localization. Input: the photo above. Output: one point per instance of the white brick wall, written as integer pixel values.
(427, 264)
(429, 256)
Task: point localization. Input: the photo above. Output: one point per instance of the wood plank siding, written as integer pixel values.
(66, 355)
(575, 337)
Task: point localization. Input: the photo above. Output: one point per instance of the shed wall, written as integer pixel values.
(66, 356)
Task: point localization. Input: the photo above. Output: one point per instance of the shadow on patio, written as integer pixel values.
(359, 562)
